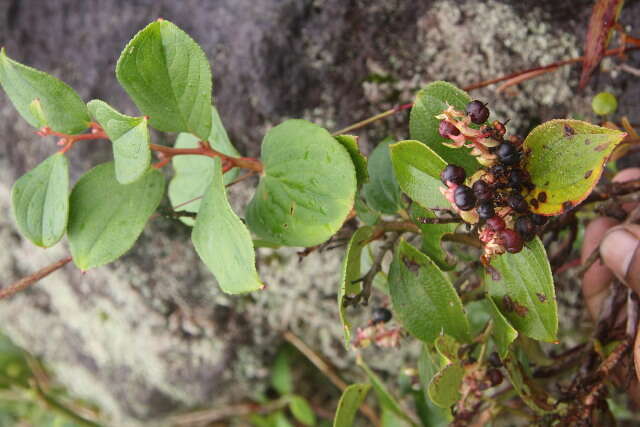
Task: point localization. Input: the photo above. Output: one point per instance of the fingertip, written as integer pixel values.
(619, 251)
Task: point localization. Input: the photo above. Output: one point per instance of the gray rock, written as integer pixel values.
(151, 334)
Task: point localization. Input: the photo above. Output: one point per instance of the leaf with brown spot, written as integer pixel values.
(558, 170)
(603, 18)
(525, 275)
(423, 298)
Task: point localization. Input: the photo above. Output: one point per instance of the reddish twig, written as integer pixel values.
(25, 282)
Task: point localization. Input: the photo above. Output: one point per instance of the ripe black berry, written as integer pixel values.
(518, 177)
(482, 190)
(478, 112)
(485, 210)
(526, 227)
(380, 315)
(497, 170)
(453, 173)
(464, 198)
(496, 223)
(539, 219)
(508, 154)
(517, 203)
(512, 241)
(447, 130)
(494, 376)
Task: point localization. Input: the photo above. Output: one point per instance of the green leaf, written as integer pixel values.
(565, 160)
(423, 125)
(168, 77)
(423, 298)
(386, 399)
(41, 99)
(281, 375)
(40, 200)
(390, 419)
(503, 333)
(432, 236)
(367, 215)
(350, 401)
(525, 294)
(382, 192)
(301, 410)
(223, 242)
(307, 189)
(444, 388)
(350, 142)
(432, 415)
(129, 137)
(107, 217)
(193, 173)
(532, 394)
(447, 347)
(351, 272)
(418, 169)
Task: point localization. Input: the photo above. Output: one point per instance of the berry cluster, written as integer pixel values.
(493, 196)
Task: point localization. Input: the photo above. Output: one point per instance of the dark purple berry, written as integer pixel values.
(478, 112)
(539, 219)
(464, 198)
(453, 173)
(526, 227)
(496, 223)
(485, 210)
(380, 315)
(497, 170)
(482, 190)
(494, 360)
(508, 154)
(447, 130)
(518, 177)
(517, 203)
(494, 376)
(512, 241)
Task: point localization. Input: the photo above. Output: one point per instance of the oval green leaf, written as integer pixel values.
(382, 192)
(351, 273)
(444, 388)
(565, 160)
(447, 347)
(418, 169)
(301, 410)
(168, 77)
(41, 99)
(307, 189)
(350, 401)
(223, 242)
(525, 294)
(350, 142)
(129, 137)
(423, 125)
(423, 298)
(503, 333)
(40, 201)
(107, 217)
(192, 173)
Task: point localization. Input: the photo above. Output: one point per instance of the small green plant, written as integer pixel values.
(460, 179)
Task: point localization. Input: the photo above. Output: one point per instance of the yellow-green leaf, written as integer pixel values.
(565, 159)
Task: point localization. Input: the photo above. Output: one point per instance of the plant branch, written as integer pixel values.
(25, 282)
(206, 150)
(328, 371)
(372, 119)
